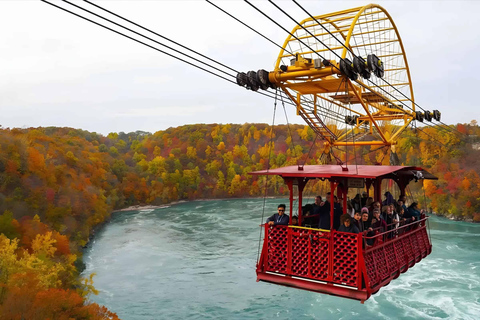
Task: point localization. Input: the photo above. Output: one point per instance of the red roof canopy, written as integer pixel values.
(360, 171)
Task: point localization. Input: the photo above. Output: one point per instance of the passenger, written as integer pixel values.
(401, 219)
(313, 216)
(414, 212)
(403, 198)
(347, 225)
(294, 221)
(401, 203)
(308, 218)
(357, 203)
(391, 219)
(357, 220)
(337, 213)
(388, 199)
(350, 210)
(375, 205)
(364, 198)
(396, 218)
(279, 218)
(369, 202)
(401, 215)
(324, 218)
(366, 228)
(378, 222)
(365, 224)
(317, 205)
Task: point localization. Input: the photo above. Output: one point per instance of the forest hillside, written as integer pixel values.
(58, 184)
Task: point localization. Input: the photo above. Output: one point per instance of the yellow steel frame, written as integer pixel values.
(303, 76)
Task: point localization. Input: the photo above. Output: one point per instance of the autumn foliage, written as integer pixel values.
(58, 184)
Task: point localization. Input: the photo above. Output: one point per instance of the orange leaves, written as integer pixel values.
(59, 304)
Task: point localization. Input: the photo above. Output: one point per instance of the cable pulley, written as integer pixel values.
(428, 115)
(360, 66)
(375, 65)
(419, 116)
(346, 67)
(252, 82)
(241, 79)
(351, 120)
(437, 115)
(255, 80)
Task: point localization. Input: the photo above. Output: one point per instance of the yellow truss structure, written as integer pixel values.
(308, 71)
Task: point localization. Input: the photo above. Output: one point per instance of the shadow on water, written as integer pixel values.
(196, 260)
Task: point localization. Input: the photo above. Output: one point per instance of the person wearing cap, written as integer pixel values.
(378, 222)
(346, 224)
(279, 218)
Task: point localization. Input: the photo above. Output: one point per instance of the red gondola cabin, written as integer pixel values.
(339, 263)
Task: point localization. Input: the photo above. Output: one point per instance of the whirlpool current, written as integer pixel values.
(196, 260)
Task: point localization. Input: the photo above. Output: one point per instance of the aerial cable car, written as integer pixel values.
(349, 65)
(339, 263)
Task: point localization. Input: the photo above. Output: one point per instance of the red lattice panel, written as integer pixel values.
(300, 242)
(319, 267)
(415, 247)
(380, 261)
(371, 270)
(400, 254)
(407, 247)
(391, 258)
(345, 256)
(277, 249)
(421, 242)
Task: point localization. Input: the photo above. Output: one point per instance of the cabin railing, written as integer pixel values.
(395, 251)
(306, 253)
(339, 259)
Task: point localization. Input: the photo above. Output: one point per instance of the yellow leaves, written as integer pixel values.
(8, 256)
(192, 152)
(221, 146)
(156, 166)
(43, 244)
(208, 151)
(87, 287)
(266, 149)
(256, 135)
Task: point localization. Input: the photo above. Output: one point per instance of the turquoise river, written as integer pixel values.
(196, 260)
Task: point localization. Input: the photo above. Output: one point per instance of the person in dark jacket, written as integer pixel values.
(388, 199)
(357, 202)
(414, 212)
(279, 218)
(337, 213)
(324, 218)
(357, 220)
(364, 199)
(347, 225)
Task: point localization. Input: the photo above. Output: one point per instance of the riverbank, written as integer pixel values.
(454, 218)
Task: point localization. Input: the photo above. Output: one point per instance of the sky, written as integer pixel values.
(59, 70)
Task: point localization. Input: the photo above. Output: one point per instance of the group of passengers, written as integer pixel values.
(363, 215)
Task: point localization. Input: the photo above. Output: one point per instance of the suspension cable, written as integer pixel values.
(266, 176)
(136, 40)
(161, 36)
